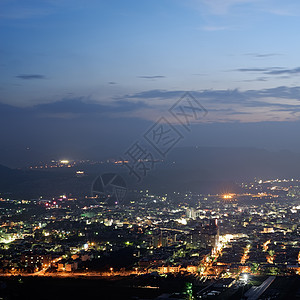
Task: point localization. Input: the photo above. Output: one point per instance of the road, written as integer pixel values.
(74, 274)
(255, 292)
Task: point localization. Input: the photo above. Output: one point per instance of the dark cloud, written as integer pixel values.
(108, 129)
(152, 77)
(262, 55)
(30, 76)
(236, 99)
(262, 79)
(164, 94)
(93, 132)
(284, 71)
(272, 70)
(280, 91)
(112, 82)
(217, 96)
(233, 101)
(81, 106)
(263, 70)
(256, 79)
(277, 92)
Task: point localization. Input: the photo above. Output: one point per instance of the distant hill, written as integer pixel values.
(236, 163)
(214, 169)
(33, 184)
(4, 170)
(199, 169)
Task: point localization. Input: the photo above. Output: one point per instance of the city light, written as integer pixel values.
(245, 277)
(192, 232)
(64, 161)
(149, 149)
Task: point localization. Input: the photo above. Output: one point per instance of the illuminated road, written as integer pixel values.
(255, 292)
(43, 273)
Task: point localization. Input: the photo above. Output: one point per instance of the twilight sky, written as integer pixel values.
(64, 63)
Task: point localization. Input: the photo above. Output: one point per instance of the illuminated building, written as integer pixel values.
(206, 236)
(160, 240)
(35, 260)
(210, 234)
(192, 213)
(268, 230)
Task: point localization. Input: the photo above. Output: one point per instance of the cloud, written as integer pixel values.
(261, 79)
(78, 108)
(30, 76)
(263, 55)
(272, 70)
(83, 106)
(284, 71)
(152, 77)
(153, 94)
(112, 82)
(278, 103)
(256, 79)
(281, 103)
(263, 70)
(220, 95)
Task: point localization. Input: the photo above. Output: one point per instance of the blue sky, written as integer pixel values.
(135, 58)
(107, 49)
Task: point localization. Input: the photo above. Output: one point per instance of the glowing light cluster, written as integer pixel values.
(64, 161)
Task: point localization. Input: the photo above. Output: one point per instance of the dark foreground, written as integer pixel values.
(46, 288)
(142, 287)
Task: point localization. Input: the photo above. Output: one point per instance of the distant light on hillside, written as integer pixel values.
(64, 161)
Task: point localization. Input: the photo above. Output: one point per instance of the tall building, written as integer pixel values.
(160, 240)
(192, 213)
(210, 234)
(206, 236)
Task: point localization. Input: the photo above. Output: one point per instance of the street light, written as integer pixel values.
(245, 277)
